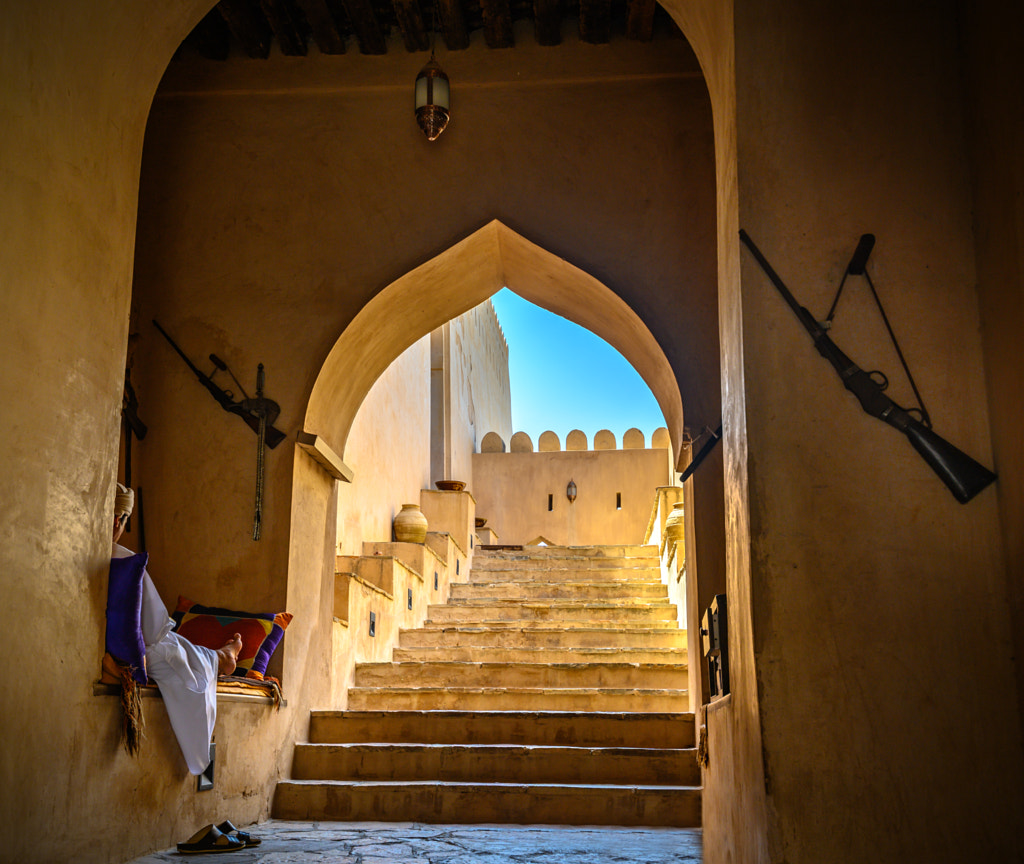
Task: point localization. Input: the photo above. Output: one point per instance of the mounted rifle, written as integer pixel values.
(964, 477)
(259, 414)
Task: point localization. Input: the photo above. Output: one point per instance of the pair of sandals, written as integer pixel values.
(218, 838)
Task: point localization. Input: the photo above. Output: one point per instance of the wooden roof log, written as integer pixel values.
(640, 19)
(328, 22)
(594, 15)
(453, 24)
(249, 26)
(410, 25)
(288, 25)
(497, 23)
(210, 38)
(547, 21)
(367, 29)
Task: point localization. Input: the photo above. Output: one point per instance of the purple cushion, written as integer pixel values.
(124, 612)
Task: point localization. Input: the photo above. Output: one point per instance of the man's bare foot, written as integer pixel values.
(227, 657)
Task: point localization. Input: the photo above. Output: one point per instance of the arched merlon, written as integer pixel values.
(454, 282)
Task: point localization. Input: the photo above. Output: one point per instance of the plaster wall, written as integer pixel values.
(512, 491)
(870, 583)
(76, 82)
(388, 451)
(481, 397)
(994, 39)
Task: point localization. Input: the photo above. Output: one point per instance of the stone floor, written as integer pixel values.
(407, 843)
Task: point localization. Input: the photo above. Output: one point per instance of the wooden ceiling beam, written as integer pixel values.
(211, 37)
(497, 23)
(410, 24)
(288, 24)
(453, 24)
(594, 15)
(366, 27)
(640, 20)
(547, 21)
(327, 21)
(249, 26)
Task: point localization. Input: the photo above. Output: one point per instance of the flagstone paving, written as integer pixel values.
(286, 842)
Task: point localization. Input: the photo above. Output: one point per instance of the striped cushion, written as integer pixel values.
(212, 627)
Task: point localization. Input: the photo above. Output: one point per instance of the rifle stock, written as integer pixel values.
(963, 476)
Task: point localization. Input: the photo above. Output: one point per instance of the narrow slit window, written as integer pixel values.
(551, 502)
(618, 500)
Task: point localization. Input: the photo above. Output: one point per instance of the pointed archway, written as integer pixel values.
(452, 283)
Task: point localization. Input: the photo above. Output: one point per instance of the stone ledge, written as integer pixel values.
(101, 689)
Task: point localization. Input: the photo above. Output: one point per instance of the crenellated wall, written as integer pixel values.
(523, 493)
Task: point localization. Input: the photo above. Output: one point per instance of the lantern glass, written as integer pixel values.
(421, 91)
(442, 95)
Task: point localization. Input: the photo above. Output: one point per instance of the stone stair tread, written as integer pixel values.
(549, 691)
(498, 785)
(411, 665)
(520, 654)
(468, 802)
(546, 649)
(469, 627)
(529, 749)
(623, 577)
(540, 624)
(618, 550)
(555, 603)
(539, 726)
(344, 713)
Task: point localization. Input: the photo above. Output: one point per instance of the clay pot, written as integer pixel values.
(450, 485)
(410, 525)
(675, 524)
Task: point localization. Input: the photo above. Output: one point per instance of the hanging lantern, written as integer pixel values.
(570, 491)
(432, 99)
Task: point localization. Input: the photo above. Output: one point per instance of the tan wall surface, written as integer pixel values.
(994, 34)
(481, 395)
(884, 737)
(388, 451)
(512, 489)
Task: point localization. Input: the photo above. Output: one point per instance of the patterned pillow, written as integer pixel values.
(124, 640)
(212, 627)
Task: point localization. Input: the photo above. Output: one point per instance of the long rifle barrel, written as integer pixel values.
(963, 476)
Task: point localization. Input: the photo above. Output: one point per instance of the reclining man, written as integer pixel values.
(185, 673)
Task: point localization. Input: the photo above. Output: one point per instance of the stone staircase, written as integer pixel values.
(551, 688)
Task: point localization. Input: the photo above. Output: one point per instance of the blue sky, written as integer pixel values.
(563, 377)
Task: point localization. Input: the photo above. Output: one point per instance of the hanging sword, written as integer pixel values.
(259, 406)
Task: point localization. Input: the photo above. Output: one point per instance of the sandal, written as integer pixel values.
(227, 828)
(210, 839)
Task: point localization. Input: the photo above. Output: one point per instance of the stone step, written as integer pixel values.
(562, 612)
(543, 636)
(482, 561)
(581, 598)
(585, 552)
(606, 624)
(606, 729)
(518, 699)
(558, 654)
(482, 576)
(466, 803)
(501, 763)
(513, 676)
(530, 590)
